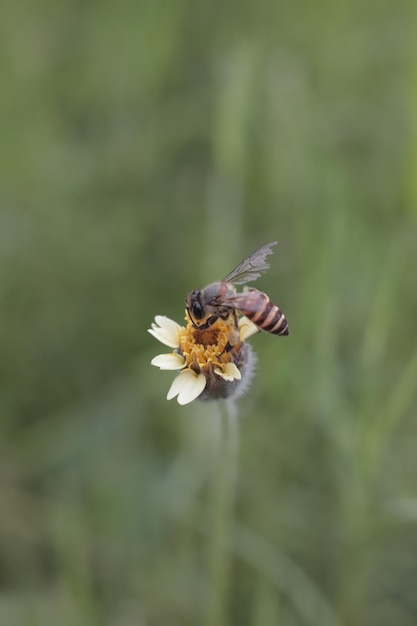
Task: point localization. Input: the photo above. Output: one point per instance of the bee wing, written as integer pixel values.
(243, 300)
(252, 267)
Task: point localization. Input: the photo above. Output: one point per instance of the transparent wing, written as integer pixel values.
(242, 301)
(252, 267)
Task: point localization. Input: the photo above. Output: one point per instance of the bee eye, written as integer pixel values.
(197, 310)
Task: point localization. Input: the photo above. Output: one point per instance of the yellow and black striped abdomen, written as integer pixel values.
(260, 309)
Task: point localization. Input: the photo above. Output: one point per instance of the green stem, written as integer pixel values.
(222, 505)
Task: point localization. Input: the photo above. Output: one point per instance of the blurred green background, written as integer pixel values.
(146, 148)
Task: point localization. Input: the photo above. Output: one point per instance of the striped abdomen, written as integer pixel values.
(260, 309)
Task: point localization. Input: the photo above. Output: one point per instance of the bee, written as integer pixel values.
(220, 300)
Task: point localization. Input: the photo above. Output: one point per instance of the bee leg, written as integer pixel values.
(227, 348)
(211, 320)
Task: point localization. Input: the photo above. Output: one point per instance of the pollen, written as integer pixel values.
(204, 350)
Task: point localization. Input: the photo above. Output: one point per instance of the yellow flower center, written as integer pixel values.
(203, 350)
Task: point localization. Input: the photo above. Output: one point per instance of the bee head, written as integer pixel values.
(194, 306)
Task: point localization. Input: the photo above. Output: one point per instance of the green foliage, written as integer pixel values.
(146, 148)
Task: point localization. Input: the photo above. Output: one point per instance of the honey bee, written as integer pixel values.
(220, 300)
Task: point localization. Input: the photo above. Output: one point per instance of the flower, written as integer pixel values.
(213, 363)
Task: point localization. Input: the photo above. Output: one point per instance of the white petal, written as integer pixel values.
(168, 361)
(229, 372)
(176, 386)
(195, 386)
(247, 328)
(187, 386)
(166, 331)
(164, 338)
(165, 322)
